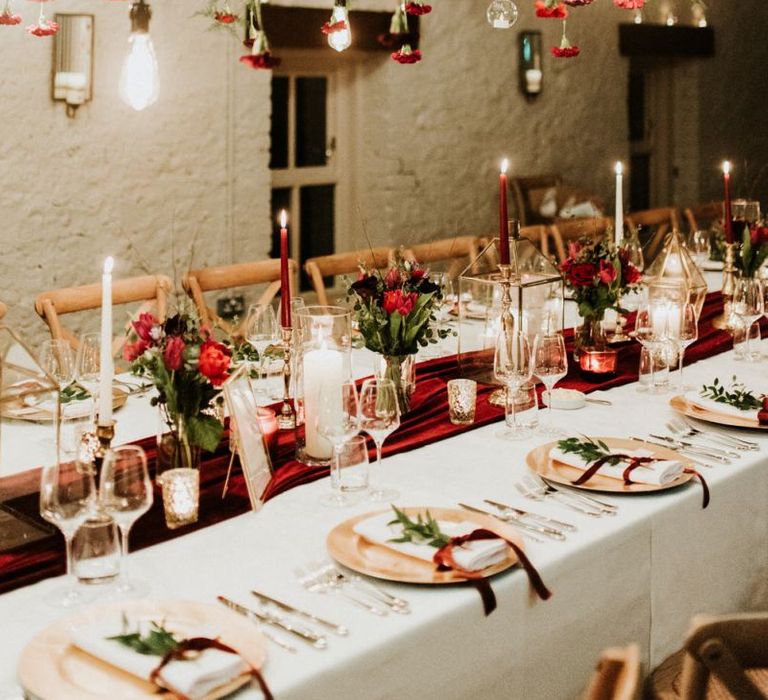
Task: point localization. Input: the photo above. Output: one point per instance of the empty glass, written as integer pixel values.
(88, 365)
(126, 494)
(513, 366)
(550, 365)
(57, 359)
(353, 465)
(740, 346)
(748, 303)
(261, 331)
(683, 330)
(379, 417)
(699, 246)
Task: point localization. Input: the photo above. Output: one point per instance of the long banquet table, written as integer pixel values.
(639, 576)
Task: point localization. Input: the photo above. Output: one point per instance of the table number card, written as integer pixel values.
(247, 435)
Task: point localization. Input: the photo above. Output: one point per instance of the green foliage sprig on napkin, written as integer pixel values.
(736, 395)
(588, 449)
(423, 530)
(396, 311)
(157, 642)
(73, 392)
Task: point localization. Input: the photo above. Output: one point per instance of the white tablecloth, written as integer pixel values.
(639, 576)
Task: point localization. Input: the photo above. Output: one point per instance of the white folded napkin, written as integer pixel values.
(471, 556)
(656, 473)
(194, 678)
(724, 408)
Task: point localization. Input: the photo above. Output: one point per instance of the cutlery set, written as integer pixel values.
(538, 488)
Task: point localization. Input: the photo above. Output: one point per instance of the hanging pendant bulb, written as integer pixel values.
(339, 33)
(501, 14)
(139, 81)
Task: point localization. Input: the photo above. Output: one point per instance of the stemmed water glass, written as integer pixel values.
(699, 246)
(125, 493)
(338, 421)
(550, 365)
(748, 304)
(57, 359)
(261, 331)
(66, 495)
(682, 335)
(650, 334)
(379, 417)
(513, 366)
(88, 365)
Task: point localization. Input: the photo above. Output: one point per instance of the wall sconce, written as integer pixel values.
(530, 64)
(73, 61)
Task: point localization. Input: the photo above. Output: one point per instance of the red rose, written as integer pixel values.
(630, 274)
(214, 361)
(607, 272)
(144, 326)
(391, 301)
(758, 235)
(132, 351)
(173, 356)
(582, 275)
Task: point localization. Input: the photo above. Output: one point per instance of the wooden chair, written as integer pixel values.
(461, 251)
(153, 290)
(3, 309)
(209, 279)
(617, 676)
(521, 192)
(567, 230)
(701, 216)
(660, 221)
(343, 263)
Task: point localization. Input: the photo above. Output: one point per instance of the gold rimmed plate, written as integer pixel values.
(51, 668)
(16, 409)
(371, 559)
(687, 408)
(541, 463)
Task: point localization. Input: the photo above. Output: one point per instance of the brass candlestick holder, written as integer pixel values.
(104, 436)
(286, 419)
(725, 321)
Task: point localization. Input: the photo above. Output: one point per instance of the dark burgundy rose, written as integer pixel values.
(582, 274)
(630, 274)
(758, 235)
(366, 288)
(176, 325)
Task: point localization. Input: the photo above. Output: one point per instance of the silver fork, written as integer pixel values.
(694, 441)
(320, 582)
(602, 506)
(529, 489)
(398, 605)
(734, 441)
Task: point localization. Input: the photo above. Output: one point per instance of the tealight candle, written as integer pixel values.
(599, 362)
(181, 496)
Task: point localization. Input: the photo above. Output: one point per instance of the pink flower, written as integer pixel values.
(8, 19)
(574, 248)
(144, 327)
(173, 356)
(132, 351)
(607, 272)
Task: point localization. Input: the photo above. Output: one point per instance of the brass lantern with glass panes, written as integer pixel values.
(674, 276)
(529, 290)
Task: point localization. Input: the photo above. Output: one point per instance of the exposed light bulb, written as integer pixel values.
(340, 39)
(638, 16)
(139, 80)
(501, 14)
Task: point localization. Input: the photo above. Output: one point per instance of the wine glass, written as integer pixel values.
(88, 362)
(379, 416)
(66, 495)
(700, 247)
(338, 420)
(125, 492)
(57, 359)
(682, 333)
(647, 333)
(261, 331)
(550, 365)
(512, 365)
(748, 304)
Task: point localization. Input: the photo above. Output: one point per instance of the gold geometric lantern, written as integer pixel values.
(674, 276)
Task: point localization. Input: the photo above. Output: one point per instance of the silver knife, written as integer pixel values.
(696, 460)
(338, 629)
(316, 640)
(516, 522)
(607, 508)
(533, 516)
(702, 451)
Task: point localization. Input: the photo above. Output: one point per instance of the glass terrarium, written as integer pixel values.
(535, 301)
(674, 276)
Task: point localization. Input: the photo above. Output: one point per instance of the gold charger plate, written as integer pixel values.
(51, 668)
(18, 410)
(539, 461)
(364, 557)
(684, 406)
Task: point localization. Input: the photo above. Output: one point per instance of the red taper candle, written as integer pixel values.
(503, 220)
(728, 222)
(285, 280)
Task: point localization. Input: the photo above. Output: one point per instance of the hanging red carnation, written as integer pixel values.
(407, 55)
(43, 28)
(260, 57)
(629, 4)
(565, 50)
(417, 7)
(8, 19)
(549, 10)
(225, 17)
(331, 27)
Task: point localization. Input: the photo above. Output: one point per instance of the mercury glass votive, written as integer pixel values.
(462, 398)
(181, 496)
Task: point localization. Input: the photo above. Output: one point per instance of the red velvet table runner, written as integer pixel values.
(426, 423)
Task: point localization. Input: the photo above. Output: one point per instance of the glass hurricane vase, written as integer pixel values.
(400, 369)
(589, 335)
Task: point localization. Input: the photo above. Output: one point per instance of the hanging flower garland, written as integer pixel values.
(565, 50)
(7, 18)
(261, 56)
(407, 55)
(44, 26)
(551, 9)
(417, 8)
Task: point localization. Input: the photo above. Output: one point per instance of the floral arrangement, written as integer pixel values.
(186, 365)
(598, 274)
(754, 249)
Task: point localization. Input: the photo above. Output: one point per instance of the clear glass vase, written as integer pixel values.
(401, 370)
(590, 335)
(178, 470)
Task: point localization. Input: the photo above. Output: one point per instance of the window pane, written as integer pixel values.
(317, 230)
(278, 131)
(311, 121)
(281, 199)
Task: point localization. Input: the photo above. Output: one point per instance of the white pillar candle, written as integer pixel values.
(323, 371)
(619, 225)
(106, 370)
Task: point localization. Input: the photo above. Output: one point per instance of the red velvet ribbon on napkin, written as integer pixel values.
(634, 463)
(445, 561)
(201, 644)
(762, 414)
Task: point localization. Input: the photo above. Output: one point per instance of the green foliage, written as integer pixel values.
(424, 529)
(736, 395)
(157, 642)
(588, 449)
(73, 392)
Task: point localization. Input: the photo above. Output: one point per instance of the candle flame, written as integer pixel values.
(283, 218)
(504, 166)
(619, 168)
(726, 167)
(109, 264)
